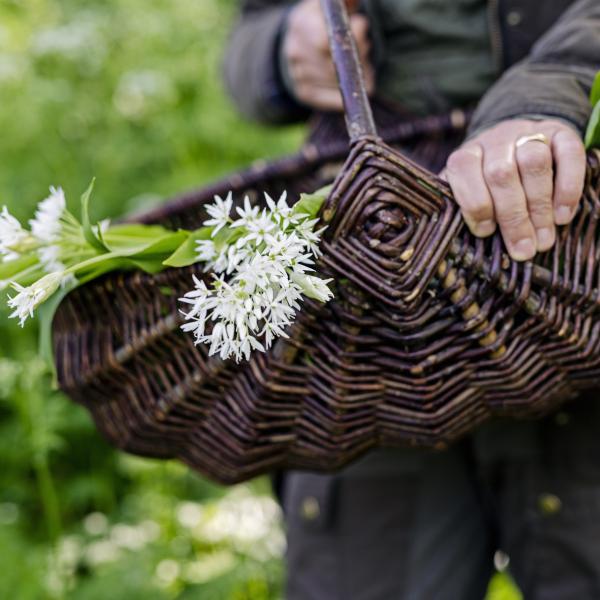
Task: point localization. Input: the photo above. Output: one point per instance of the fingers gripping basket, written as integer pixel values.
(431, 330)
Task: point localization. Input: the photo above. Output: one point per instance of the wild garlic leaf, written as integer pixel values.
(88, 230)
(310, 204)
(595, 93)
(592, 132)
(132, 240)
(187, 254)
(46, 314)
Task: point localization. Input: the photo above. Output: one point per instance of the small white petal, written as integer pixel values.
(45, 225)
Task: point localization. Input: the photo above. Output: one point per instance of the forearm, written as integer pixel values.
(555, 79)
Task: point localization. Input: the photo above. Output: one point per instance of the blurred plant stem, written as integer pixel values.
(31, 397)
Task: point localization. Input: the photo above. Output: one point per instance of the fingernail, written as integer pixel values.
(484, 228)
(562, 215)
(523, 250)
(545, 238)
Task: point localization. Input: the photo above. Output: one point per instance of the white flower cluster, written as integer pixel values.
(45, 225)
(12, 236)
(44, 238)
(261, 263)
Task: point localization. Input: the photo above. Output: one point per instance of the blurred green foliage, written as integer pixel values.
(128, 91)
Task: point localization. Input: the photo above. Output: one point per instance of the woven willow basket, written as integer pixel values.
(431, 331)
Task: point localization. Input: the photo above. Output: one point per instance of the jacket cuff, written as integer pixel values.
(536, 89)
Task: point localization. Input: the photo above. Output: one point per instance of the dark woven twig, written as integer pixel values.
(431, 330)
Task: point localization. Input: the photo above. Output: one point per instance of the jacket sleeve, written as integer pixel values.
(554, 80)
(251, 66)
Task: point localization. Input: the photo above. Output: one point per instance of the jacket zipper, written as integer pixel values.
(495, 34)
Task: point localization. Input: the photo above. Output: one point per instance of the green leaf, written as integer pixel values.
(592, 133)
(132, 241)
(595, 93)
(46, 314)
(149, 264)
(88, 231)
(186, 254)
(228, 235)
(10, 270)
(103, 263)
(310, 204)
(136, 231)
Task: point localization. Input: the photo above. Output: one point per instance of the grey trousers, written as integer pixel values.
(423, 525)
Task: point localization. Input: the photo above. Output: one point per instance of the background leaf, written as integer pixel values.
(595, 92)
(88, 231)
(592, 133)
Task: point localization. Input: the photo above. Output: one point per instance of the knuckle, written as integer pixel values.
(500, 172)
(541, 211)
(569, 142)
(458, 160)
(535, 160)
(477, 210)
(571, 145)
(513, 220)
(569, 191)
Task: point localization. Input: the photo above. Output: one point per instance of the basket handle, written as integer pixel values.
(357, 108)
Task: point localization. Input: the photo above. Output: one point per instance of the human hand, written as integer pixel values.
(524, 187)
(306, 50)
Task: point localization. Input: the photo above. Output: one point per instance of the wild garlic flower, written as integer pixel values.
(12, 236)
(219, 213)
(267, 265)
(280, 210)
(46, 224)
(49, 257)
(29, 298)
(206, 250)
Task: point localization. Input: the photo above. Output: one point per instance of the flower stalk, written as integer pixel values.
(261, 263)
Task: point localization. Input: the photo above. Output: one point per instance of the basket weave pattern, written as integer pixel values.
(431, 331)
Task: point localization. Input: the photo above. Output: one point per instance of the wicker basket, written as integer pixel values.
(431, 331)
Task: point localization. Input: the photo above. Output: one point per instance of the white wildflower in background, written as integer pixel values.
(29, 298)
(12, 236)
(267, 262)
(46, 224)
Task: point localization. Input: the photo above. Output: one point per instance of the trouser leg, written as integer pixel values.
(549, 507)
(401, 524)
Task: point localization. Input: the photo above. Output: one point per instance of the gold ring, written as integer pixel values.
(534, 137)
